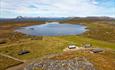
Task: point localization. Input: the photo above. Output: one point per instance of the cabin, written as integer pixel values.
(87, 45)
(2, 41)
(96, 50)
(22, 52)
(72, 47)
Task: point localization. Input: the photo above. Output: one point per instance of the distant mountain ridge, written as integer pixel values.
(20, 18)
(94, 18)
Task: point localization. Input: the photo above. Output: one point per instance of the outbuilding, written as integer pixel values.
(22, 52)
(96, 50)
(72, 47)
(2, 41)
(87, 45)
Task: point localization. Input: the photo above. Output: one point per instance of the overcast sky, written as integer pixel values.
(56, 8)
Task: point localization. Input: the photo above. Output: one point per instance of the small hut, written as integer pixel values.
(22, 52)
(87, 45)
(96, 50)
(2, 41)
(72, 47)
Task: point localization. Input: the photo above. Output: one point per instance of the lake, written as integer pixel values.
(53, 29)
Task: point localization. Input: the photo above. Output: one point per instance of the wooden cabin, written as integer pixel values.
(72, 46)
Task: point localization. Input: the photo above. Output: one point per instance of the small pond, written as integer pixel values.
(53, 29)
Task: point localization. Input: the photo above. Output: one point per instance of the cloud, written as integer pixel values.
(54, 8)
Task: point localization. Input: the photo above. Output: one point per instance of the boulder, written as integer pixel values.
(32, 28)
(71, 64)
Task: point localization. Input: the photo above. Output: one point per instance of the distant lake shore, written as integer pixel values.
(53, 29)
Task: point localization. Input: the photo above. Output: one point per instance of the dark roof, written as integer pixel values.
(97, 50)
(2, 41)
(22, 52)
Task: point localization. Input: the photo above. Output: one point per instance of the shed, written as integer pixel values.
(72, 46)
(87, 45)
(2, 41)
(96, 50)
(22, 52)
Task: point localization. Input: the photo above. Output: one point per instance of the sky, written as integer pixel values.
(56, 8)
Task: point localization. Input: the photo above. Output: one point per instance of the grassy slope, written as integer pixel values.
(7, 62)
(38, 48)
(101, 61)
(99, 36)
(7, 30)
(7, 33)
(96, 43)
(49, 45)
(99, 30)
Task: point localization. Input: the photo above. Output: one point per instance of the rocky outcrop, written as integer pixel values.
(78, 63)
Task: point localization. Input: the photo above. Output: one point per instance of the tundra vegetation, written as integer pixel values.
(101, 34)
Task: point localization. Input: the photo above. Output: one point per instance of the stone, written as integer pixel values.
(32, 28)
(71, 64)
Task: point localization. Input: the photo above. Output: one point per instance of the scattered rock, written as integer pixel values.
(72, 64)
(32, 28)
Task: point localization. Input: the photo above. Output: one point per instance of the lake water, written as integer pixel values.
(53, 29)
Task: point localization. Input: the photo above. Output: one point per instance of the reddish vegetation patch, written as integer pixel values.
(101, 61)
